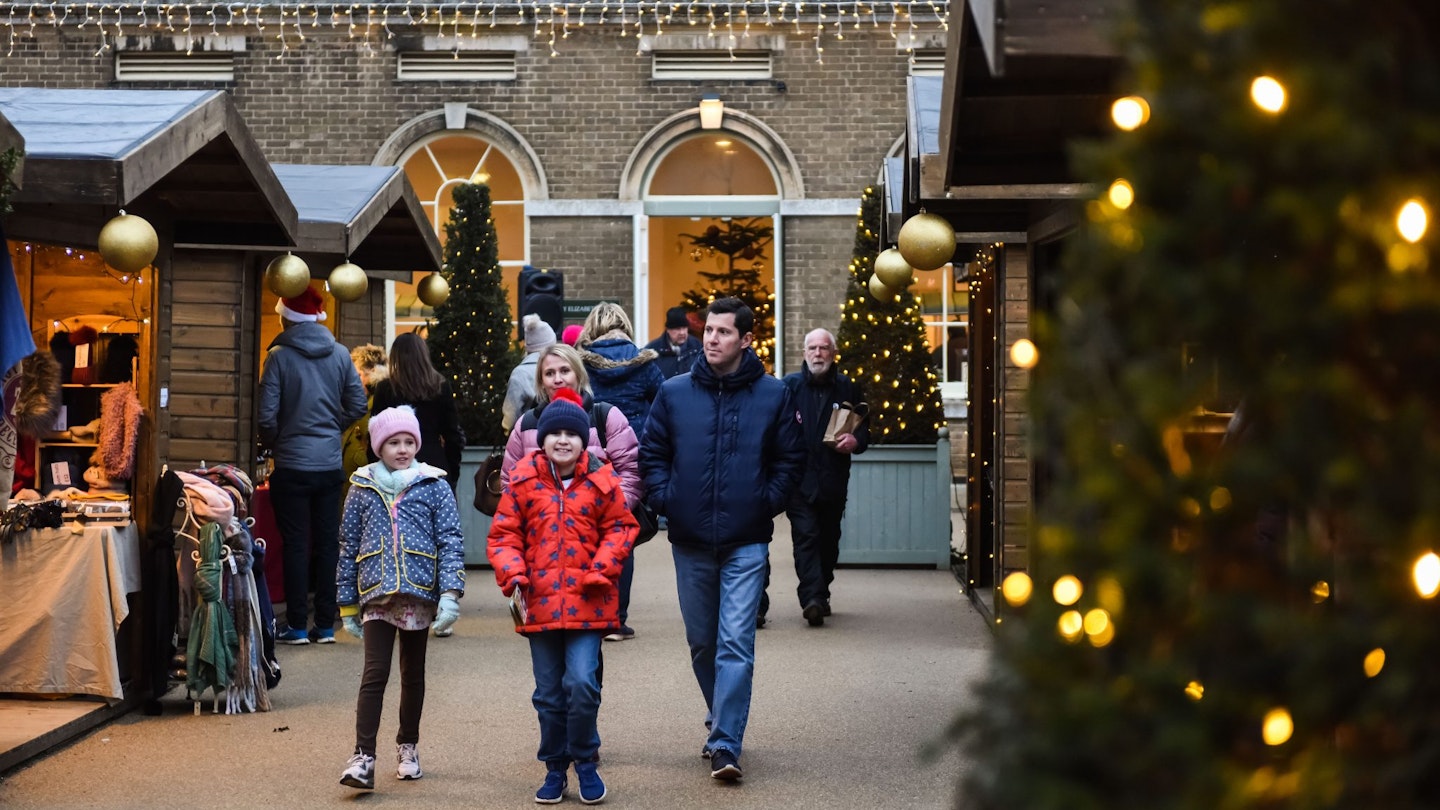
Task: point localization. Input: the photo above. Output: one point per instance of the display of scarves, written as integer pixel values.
(248, 691)
(213, 644)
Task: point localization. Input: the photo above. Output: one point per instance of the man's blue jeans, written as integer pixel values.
(719, 599)
(567, 695)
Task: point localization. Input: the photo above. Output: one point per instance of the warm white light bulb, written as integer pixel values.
(1278, 726)
(1122, 195)
(1412, 220)
(1024, 354)
(1427, 575)
(1268, 94)
(1130, 112)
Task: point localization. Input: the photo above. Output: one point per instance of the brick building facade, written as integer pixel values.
(584, 121)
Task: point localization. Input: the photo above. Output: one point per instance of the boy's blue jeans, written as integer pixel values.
(567, 695)
(719, 598)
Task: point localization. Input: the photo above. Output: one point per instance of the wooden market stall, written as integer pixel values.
(185, 162)
(988, 150)
(197, 319)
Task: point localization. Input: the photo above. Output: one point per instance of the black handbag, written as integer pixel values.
(649, 523)
(487, 484)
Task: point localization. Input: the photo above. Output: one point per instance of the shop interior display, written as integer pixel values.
(90, 449)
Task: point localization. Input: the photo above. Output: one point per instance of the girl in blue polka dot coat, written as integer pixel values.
(401, 572)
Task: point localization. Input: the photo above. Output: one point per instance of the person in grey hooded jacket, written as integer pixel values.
(309, 393)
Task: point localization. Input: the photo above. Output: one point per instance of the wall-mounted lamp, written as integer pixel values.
(712, 111)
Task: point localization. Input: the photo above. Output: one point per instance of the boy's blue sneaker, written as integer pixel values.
(292, 636)
(592, 787)
(323, 635)
(724, 765)
(554, 788)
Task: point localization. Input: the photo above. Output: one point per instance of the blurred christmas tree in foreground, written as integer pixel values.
(882, 346)
(1252, 625)
(470, 339)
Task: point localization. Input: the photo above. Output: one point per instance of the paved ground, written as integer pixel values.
(839, 716)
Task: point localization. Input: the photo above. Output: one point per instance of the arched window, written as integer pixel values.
(435, 165)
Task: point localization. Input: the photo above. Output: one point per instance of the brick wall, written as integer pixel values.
(334, 99)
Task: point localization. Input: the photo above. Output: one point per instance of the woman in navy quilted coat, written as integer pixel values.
(402, 569)
(621, 373)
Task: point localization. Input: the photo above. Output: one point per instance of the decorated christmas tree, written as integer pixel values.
(1248, 622)
(470, 338)
(742, 242)
(882, 346)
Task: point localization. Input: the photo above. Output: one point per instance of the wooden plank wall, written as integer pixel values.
(1012, 441)
(209, 365)
(363, 321)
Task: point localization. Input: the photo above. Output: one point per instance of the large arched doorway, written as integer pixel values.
(695, 255)
(711, 221)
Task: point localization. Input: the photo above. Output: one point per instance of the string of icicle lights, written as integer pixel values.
(288, 23)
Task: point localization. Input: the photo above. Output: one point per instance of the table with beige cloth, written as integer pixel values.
(64, 600)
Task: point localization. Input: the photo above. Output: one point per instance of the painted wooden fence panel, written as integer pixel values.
(898, 507)
(475, 524)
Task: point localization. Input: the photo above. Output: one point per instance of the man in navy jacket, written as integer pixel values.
(818, 503)
(721, 453)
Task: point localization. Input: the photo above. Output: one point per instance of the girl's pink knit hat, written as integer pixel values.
(387, 423)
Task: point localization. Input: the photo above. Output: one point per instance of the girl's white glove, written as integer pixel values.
(448, 612)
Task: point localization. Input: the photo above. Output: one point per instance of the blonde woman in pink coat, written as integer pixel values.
(559, 366)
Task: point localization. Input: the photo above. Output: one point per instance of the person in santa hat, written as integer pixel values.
(309, 393)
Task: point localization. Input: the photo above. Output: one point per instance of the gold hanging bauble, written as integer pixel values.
(927, 241)
(892, 270)
(287, 276)
(880, 292)
(433, 290)
(128, 243)
(348, 282)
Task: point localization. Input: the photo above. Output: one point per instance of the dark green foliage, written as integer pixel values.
(470, 339)
(1266, 245)
(882, 347)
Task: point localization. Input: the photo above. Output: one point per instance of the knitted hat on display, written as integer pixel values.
(538, 334)
(387, 423)
(677, 318)
(571, 334)
(307, 306)
(565, 411)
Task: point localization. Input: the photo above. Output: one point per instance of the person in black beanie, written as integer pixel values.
(677, 347)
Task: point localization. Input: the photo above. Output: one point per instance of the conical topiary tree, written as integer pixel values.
(1253, 625)
(470, 338)
(883, 348)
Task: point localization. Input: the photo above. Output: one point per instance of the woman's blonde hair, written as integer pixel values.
(572, 358)
(605, 318)
(367, 357)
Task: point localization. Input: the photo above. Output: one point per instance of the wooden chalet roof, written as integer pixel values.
(1015, 92)
(182, 158)
(368, 214)
(10, 138)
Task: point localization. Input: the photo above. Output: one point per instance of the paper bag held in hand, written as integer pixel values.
(844, 418)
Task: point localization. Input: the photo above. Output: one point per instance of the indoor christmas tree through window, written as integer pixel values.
(742, 241)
